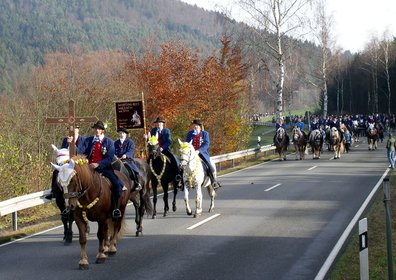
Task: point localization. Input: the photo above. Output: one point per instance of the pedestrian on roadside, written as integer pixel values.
(390, 149)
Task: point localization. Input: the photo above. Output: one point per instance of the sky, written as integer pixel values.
(355, 21)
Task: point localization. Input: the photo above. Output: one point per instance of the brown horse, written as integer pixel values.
(300, 142)
(281, 142)
(336, 142)
(372, 137)
(89, 196)
(316, 143)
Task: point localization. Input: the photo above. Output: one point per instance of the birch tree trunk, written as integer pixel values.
(274, 20)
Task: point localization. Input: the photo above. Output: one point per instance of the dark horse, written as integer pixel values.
(372, 137)
(140, 199)
(89, 196)
(281, 142)
(67, 216)
(316, 143)
(163, 174)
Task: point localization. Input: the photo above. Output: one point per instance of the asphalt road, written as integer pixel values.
(277, 220)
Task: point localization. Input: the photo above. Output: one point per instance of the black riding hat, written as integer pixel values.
(123, 129)
(197, 122)
(159, 119)
(99, 124)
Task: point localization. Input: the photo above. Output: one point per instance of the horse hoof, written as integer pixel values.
(197, 215)
(111, 253)
(100, 260)
(174, 207)
(153, 217)
(138, 233)
(165, 214)
(84, 266)
(189, 213)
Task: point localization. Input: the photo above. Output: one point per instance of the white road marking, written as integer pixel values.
(204, 221)
(313, 167)
(273, 187)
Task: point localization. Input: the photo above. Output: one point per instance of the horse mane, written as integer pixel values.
(84, 171)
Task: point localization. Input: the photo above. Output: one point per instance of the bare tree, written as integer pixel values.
(274, 21)
(372, 51)
(323, 24)
(385, 46)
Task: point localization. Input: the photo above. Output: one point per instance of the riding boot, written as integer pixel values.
(214, 182)
(135, 178)
(116, 211)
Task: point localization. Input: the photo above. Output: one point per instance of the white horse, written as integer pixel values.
(194, 177)
(136, 120)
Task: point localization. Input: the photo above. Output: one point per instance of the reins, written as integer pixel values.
(158, 176)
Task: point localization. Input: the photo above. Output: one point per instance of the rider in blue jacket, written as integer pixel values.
(201, 142)
(124, 149)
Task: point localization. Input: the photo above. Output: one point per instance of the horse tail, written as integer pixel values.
(148, 205)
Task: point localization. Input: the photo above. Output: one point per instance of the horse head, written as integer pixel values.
(280, 134)
(334, 132)
(73, 176)
(296, 133)
(62, 155)
(187, 153)
(154, 149)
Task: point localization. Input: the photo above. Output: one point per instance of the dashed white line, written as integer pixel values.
(273, 187)
(313, 167)
(204, 221)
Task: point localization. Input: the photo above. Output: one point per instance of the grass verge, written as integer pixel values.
(347, 266)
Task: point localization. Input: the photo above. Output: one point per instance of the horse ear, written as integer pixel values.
(54, 147)
(72, 163)
(190, 143)
(55, 166)
(180, 142)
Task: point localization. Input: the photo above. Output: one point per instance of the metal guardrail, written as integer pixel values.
(13, 205)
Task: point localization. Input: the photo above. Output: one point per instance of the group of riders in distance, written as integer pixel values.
(97, 183)
(337, 132)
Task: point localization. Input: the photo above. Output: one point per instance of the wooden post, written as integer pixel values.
(144, 128)
(71, 120)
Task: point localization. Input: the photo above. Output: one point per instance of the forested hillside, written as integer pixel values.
(31, 28)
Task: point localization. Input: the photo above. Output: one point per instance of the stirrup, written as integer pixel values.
(178, 178)
(116, 213)
(138, 186)
(49, 196)
(216, 185)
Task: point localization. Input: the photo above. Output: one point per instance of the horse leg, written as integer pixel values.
(102, 234)
(67, 220)
(165, 198)
(174, 197)
(188, 208)
(296, 149)
(139, 219)
(81, 224)
(115, 233)
(154, 201)
(198, 202)
(212, 194)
